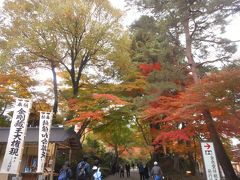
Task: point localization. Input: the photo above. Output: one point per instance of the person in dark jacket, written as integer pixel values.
(156, 172)
(83, 169)
(146, 172)
(65, 172)
(133, 166)
(121, 171)
(141, 171)
(127, 167)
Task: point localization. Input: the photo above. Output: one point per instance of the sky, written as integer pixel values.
(232, 30)
(130, 15)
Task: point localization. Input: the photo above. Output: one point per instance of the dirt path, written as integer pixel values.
(133, 176)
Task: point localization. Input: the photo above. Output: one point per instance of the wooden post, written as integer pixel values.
(54, 160)
(3, 176)
(70, 155)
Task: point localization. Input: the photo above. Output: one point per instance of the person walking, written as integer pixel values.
(127, 167)
(133, 165)
(141, 171)
(146, 173)
(97, 175)
(121, 169)
(83, 169)
(65, 172)
(117, 170)
(156, 172)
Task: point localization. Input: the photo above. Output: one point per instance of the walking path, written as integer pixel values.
(133, 176)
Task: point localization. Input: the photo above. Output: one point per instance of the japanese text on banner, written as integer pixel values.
(44, 134)
(14, 149)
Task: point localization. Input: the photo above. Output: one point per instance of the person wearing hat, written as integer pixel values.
(156, 172)
(97, 175)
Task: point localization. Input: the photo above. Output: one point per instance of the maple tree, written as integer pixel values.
(13, 85)
(89, 110)
(117, 133)
(180, 116)
(98, 112)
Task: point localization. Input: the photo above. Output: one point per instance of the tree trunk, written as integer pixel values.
(192, 163)
(76, 75)
(176, 163)
(188, 50)
(75, 89)
(116, 155)
(220, 152)
(115, 164)
(75, 83)
(55, 89)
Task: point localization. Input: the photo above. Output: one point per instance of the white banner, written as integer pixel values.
(210, 161)
(15, 145)
(44, 134)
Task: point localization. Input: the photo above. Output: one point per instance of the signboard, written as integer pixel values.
(44, 134)
(210, 161)
(14, 149)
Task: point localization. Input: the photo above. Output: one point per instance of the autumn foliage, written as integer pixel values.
(96, 116)
(109, 97)
(146, 69)
(90, 110)
(179, 116)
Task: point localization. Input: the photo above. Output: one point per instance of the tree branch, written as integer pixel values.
(195, 28)
(215, 42)
(4, 108)
(142, 131)
(213, 61)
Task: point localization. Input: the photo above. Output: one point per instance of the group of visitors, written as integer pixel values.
(121, 170)
(83, 171)
(155, 173)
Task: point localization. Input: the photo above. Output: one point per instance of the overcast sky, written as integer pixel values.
(232, 31)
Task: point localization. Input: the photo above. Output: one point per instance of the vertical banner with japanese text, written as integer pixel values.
(44, 134)
(13, 154)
